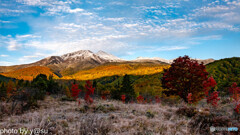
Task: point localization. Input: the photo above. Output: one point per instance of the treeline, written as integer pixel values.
(24, 95)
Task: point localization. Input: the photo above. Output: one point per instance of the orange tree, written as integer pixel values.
(183, 77)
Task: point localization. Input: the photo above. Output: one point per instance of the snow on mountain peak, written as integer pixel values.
(78, 54)
(108, 56)
(154, 58)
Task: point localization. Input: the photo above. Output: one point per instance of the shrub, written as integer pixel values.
(89, 91)
(123, 97)
(140, 99)
(202, 123)
(157, 99)
(149, 114)
(213, 99)
(189, 98)
(67, 92)
(40, 82)
(185, 76)
(235, 92)
(187, 111)
(65, 98)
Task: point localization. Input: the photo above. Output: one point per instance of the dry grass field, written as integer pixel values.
(114, 117)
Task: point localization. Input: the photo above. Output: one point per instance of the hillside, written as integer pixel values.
(4, 78)
(118, 69)
(225, 71)
(29, 73)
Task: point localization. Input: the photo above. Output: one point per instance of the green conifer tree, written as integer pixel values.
(127, 88)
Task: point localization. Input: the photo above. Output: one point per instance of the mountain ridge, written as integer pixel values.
(73, 62)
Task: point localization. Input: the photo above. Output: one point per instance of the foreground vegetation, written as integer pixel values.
(170, 116)
(184, 99)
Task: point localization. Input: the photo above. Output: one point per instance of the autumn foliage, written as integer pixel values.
(157, 99)
(89, 91)
(235, 91)
(75, 90)
(189, 97)
(118, 69)
(213, 99)
(29, 73)
(123, 98)
(140, 99)
(183, 77)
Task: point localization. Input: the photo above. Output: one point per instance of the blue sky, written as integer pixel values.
(34, 29)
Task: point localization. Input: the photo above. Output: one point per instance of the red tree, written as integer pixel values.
(89, 91)
(237, 108)
(75, 92)
(235, 91)
(213, 99)
(189, 97)
(185, 76)
(140, 99)
(207, 85)
(123, 97)
(157, 99)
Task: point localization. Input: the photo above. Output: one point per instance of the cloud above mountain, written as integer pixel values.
(124, 28)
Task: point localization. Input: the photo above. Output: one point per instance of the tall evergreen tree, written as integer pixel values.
(127, 88)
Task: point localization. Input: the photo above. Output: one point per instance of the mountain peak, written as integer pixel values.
(108, 57)
(78, 54)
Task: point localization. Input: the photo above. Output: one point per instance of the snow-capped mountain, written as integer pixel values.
(84, 59)
(82, 55)
(108, 57)
(144, 59)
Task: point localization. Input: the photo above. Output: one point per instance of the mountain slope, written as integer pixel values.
(118, 69)
(29, 73)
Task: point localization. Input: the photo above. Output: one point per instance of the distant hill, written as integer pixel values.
(225, 71)
(120, 69)
(29, 73)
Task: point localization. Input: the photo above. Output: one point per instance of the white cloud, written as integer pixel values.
(114, 19)
(171, 48)
(75, 10)
(5, 63)
(13, 45)
(32, 58)
(1, 21)
(3, 55)
(130, 25)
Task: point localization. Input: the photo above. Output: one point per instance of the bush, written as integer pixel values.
(65, 98)
(187, 111)
(202, 122)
